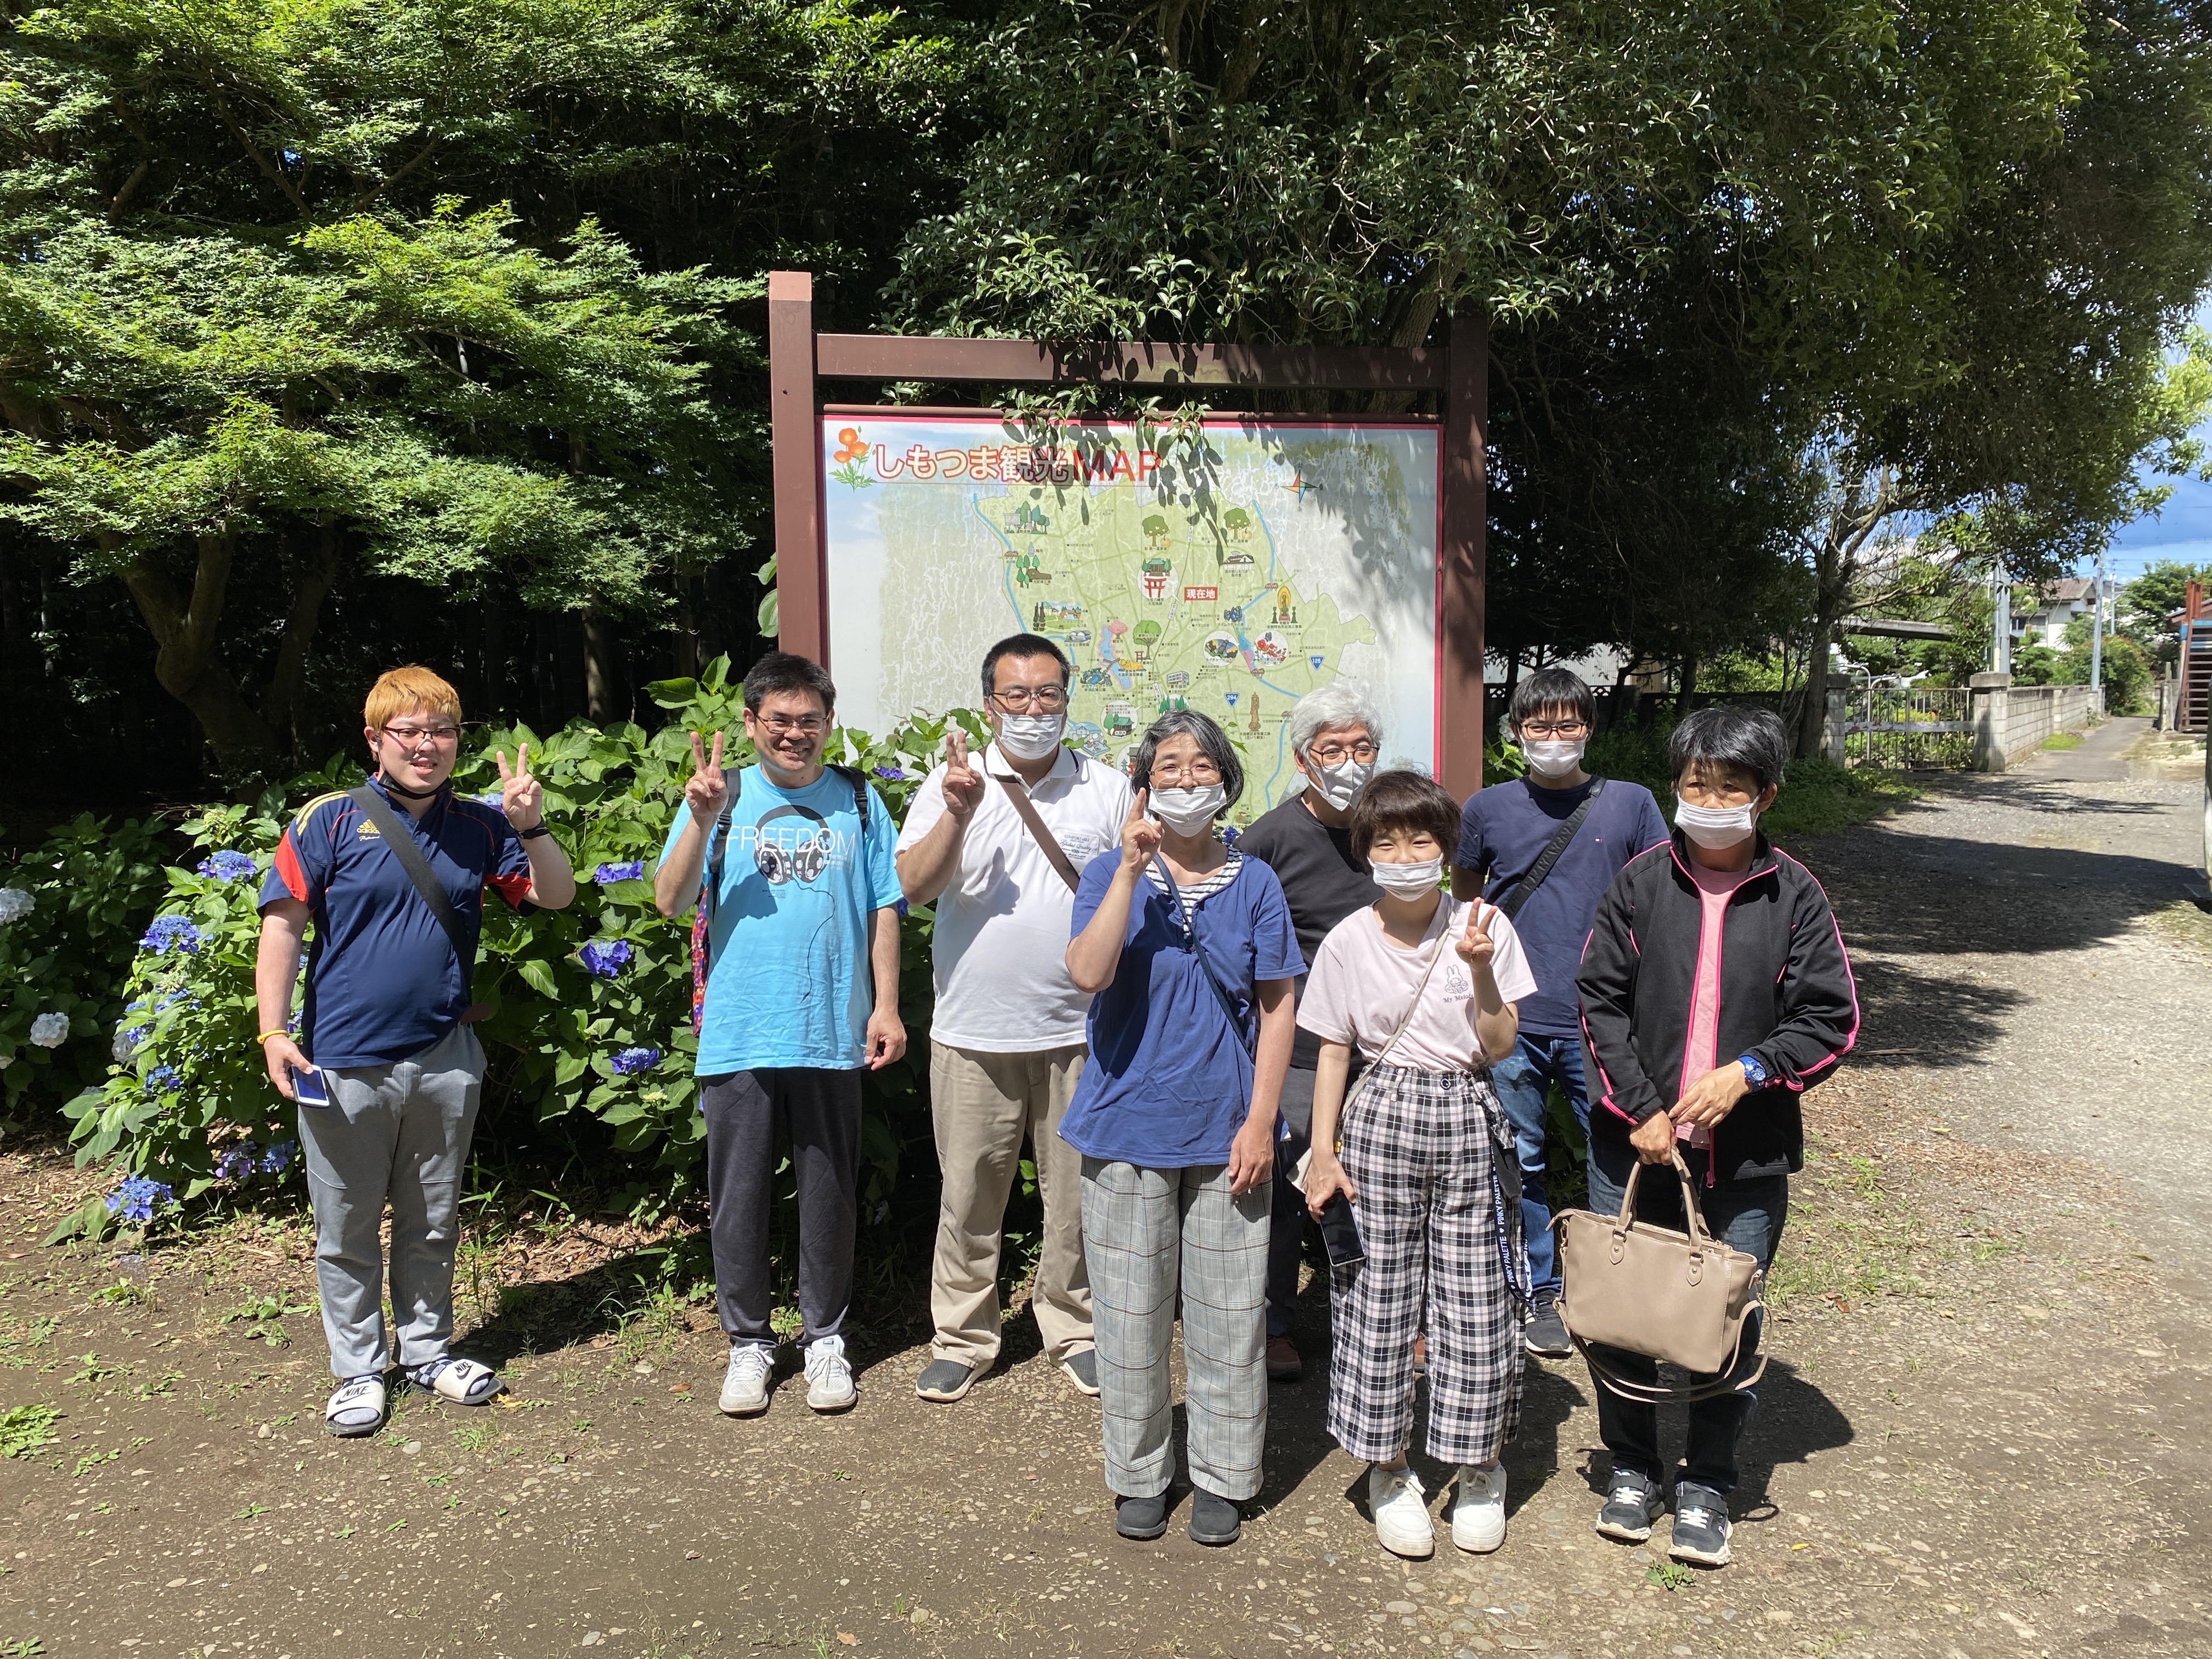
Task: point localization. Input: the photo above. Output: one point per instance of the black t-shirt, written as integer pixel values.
(1321, 881)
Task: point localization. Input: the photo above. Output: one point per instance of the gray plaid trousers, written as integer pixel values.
(1146, 1233)
(1421, 1146)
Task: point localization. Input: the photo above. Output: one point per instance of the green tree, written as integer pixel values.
(2146, 606)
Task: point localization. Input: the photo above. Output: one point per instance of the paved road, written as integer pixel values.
(2025, 945)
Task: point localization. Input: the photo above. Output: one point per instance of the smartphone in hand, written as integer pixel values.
(1340, 1233)
(309, 1086)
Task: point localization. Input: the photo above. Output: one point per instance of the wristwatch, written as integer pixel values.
(1754, 1072)
(540, 828)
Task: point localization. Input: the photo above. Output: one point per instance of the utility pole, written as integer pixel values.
(2001, 658)
(2097, 626)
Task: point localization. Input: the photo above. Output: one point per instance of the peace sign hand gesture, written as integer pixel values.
(1475, 946)
(521, 797)
(963, 782)
(707, 788)
(1140, 835)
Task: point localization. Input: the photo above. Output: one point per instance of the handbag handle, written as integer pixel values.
(1699, 1233)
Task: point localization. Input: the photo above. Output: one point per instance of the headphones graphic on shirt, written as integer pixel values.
(802, 863)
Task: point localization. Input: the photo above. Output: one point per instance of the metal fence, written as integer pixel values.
(1907, 729)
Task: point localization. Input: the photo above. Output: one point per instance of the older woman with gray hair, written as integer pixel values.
(1191, 953)
(1336, 738)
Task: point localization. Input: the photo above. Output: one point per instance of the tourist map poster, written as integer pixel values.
(1230, 571)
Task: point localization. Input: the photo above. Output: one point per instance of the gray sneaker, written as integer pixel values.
(1082, 1368)
(1545, 1333)
(1631, 1502)
(944, 1380)
(1701, 1526)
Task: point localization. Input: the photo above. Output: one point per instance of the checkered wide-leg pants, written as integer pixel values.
(1421, 1147)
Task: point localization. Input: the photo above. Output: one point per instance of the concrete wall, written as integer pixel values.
(2011, 722)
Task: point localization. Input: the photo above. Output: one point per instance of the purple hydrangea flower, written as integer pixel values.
(605, 960)
(630, 1061)
(889, 773)
(607, 874)
(172, 933)
(228, 866)
(278, 1158)
(237, 1163)
(492, 797)
(136, 1199)
(1228, 834)
(163, 1081)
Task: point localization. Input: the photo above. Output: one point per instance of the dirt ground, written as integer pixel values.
(1985, 1431)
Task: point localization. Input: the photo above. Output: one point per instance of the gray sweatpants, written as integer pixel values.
(1147, 1234)
(398, 1131)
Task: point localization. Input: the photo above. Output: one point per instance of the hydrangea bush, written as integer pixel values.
(590, 1006)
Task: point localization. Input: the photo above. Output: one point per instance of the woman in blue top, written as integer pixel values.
(1190, 949)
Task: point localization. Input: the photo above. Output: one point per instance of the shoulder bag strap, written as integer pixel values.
(1248, 1042)
(400, 842)
(1018, 792)
(1513, 902)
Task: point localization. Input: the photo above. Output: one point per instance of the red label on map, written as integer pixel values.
(1201, 593)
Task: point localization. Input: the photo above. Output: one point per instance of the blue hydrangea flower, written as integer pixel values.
(127, 1039)
(136, 1199)
(889, 773)
(1228, 834)
(228, 866)
(172, 933)
(607, 874)
(492, 797)
(163, 1081)
(630, 1061)
(278, 1158)
(236, 1164)
(606, 960)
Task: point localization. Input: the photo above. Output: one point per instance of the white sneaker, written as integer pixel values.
(829, 1375)
(1402, 1512)
(745, 1390)
(1478, 1512)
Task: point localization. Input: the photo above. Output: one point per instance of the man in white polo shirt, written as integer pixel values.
(1002, 839)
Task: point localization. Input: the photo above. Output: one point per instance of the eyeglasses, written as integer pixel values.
(1541, 729)
(1050, 698)
(1698, 791)
(807, 725)
(1335, 753)
(409, 736)
(1173, 776)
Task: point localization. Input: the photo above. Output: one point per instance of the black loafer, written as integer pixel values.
(1213, 1520)
(1141, 1518)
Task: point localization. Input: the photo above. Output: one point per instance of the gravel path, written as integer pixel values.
(1985, 1433)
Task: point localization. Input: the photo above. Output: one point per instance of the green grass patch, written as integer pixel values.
(2063, 740)
(26, 1431)
(1850, 1239)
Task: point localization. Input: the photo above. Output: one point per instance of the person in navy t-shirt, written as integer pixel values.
(1504, 830)
(386, 1024)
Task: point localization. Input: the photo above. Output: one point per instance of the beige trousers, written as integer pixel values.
(983, 1105)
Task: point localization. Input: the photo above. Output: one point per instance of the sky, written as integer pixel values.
(2182, 528)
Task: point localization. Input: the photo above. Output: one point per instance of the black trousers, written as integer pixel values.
(820, 1111)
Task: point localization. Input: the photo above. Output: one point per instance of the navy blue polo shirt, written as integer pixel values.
(1168, 1083)
(383, 983)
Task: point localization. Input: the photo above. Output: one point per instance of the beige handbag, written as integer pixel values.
(1682, 1297)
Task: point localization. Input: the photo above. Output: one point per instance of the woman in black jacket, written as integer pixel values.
(1715, 989)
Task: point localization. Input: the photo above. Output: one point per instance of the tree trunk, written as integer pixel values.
(311, 585)
(602, 673)
(1812, 719)
(1687, 686)
(185, 658)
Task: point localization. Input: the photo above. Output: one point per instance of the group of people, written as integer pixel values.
(1208, 1040)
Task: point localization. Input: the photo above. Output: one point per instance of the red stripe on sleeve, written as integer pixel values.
(513, 889)
(288, 867)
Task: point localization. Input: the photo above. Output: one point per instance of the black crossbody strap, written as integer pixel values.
(1527, 884)
(401, 845)
(1248, 1041)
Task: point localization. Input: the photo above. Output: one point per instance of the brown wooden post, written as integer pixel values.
(794, 435)
(1461, 551)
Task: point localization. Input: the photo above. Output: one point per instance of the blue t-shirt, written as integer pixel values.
(383, 981)
(787, 980)
(1168, 1083)
(1503, 831)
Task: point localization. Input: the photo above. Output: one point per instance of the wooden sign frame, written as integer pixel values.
(799, 358)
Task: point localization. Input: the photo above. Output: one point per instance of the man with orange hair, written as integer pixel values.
(393, 875)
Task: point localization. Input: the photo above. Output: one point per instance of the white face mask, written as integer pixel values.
(1714, 826)
(1030, 737)
(1342, 784)
(1409, 881)
(1554, 759)
(1188, 812)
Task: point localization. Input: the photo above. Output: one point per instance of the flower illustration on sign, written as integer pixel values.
(851, 451)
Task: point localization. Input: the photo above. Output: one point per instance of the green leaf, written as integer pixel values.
(538, 976)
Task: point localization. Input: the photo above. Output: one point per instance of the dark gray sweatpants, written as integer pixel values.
(821, 1111)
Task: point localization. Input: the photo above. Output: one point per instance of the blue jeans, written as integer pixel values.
(1523, 1080)
(1748, 1217)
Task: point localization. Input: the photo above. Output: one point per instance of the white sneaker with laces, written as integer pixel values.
(1478, 1512)
(1402, 1512)
(745, 1390)
(829, 1375)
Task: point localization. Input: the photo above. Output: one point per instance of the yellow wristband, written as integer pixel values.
(263, 1038)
